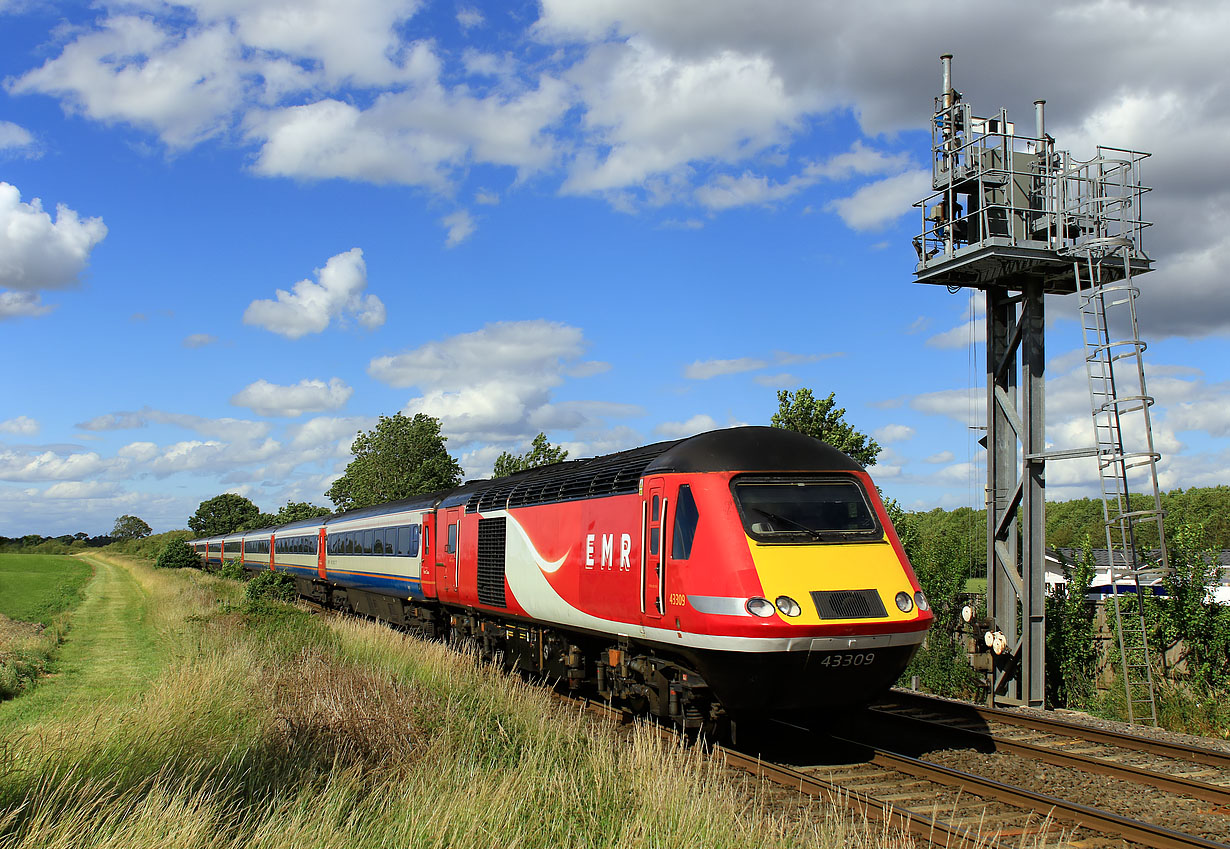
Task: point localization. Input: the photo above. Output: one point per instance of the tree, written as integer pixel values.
(541, 453)
(295, 511)
(222, 514)
(803, 413)
(401, 457)
(130, 527)
(260, 520)
(177, 554)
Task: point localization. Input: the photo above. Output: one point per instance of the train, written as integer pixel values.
(751, 571)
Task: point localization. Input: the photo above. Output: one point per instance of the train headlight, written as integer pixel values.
(761, 607)
(904, 603)
(788, 606)
(921, 601)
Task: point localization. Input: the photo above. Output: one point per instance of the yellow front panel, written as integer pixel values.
(796, 570)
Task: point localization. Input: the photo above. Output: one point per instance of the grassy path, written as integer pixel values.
(110, 651)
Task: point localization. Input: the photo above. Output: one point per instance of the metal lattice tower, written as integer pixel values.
(1012, 216)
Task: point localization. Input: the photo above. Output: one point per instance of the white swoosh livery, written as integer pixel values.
(525, 569)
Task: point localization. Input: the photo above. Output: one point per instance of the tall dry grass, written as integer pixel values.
(274, 728)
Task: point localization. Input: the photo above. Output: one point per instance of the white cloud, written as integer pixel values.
(776, 380)
(182, 86)
(699, 423)
(469, 18)
(306, 396)
(460, 226)
(113, 421)
(16, 138)
(81, 490)
(496, 384)
(650, 111)
(725, 191)
(893, 433)
(417, 137)
(329, 431)
(50, 466)
(223, 428)
(22, 305)
(310, 307)
(940, 457)
(22, 425)
(199, 340)
(706, 369)
(878, 204)
(39, 253)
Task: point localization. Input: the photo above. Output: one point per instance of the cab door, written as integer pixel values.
(653, 548)
(321, 550)
(447, 542)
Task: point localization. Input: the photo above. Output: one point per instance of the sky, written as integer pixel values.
(235, 232)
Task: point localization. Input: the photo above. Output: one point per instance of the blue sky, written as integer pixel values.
(234, 233)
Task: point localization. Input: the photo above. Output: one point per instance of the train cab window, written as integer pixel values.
(426, 539)
(655, 510)
(451, 548)
(805, 509)
(686, 519)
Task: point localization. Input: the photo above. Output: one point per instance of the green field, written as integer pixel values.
(38, 587)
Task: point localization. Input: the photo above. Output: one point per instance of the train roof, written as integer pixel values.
(752, 449)
(743, 449)
(736, 449)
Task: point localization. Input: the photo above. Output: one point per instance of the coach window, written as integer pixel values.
(378, 543)
(686, 519)
(451, 548)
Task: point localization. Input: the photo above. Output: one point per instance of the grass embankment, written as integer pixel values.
(271, 727)
(36, 593)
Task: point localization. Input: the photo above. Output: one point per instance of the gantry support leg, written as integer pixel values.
(1016, 551)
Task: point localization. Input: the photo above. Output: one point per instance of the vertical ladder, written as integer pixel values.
(1099, 199)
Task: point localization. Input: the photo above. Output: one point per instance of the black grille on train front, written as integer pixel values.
(848, 604)
(491, 562)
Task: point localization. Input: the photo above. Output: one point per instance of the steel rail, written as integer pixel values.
(1081, 815)
(935, 831)
(1180, 751)
(1087, 763)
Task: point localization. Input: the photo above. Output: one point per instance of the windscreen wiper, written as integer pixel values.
(815, 534)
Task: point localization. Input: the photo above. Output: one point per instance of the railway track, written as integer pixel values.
(948, 806)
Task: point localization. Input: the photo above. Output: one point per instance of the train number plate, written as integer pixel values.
(834, 661)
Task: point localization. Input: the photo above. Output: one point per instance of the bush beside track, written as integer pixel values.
(270, 726)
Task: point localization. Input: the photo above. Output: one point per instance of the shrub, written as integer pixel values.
(177, 554)
(275, 586)
(233, 570)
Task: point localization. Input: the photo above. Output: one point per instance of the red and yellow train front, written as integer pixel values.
(787, 590)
